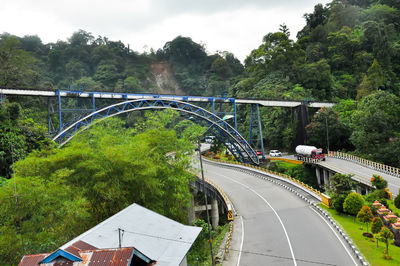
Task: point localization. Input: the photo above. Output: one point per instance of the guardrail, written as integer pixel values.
(370, 164)
(325, 199)
(221, 192)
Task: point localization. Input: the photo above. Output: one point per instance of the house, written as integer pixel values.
(133, 236)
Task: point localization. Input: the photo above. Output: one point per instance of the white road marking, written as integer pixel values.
(241, 243)
(341, 242)
(279, 218)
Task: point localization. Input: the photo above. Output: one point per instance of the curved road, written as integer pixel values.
(275, 227)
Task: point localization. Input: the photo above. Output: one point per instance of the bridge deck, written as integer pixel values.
(130, 96)
(361, 173)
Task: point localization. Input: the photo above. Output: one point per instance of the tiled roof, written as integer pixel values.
(97, 257)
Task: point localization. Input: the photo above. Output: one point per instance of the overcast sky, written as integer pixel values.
(236, 26)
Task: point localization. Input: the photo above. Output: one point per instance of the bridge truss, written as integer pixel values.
(228, 135)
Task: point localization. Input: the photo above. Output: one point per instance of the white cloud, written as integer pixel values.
(233, 25)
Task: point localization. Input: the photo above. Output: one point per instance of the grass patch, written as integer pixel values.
(285, 165)
(354, 229)
(393, 208)
(304, 173)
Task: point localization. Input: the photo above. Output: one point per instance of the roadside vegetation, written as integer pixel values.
(64, 192)
(200, 253)
(366, 219)
(303, 173)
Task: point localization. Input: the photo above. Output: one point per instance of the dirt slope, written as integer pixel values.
(165, 80)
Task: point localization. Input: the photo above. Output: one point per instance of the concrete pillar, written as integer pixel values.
(318, 174)
(326, 178)
(214, 214)
(191, 213)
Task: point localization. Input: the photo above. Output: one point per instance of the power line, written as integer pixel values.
(159, 237)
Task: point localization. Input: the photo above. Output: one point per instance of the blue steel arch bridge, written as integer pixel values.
(77, 110)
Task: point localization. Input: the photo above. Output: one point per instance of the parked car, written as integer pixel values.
(275, 153)
(210, 139)
(259, 153)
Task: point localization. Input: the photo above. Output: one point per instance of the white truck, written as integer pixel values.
(305, 151)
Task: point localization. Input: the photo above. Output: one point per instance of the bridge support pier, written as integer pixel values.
(191, 213)
(318, 174)
(214, 214)
(326, 177)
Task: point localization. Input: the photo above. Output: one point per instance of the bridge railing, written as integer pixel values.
(220, 191)
(367, 163)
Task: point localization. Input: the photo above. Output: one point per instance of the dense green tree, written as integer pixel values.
(385, 235)
(16, 65)
(341, 184)
(375, 121)
(326, 126)
(365, 215)
(338, 203)
(397, 201)
(353, 203)
(18, 136)
(376, 227)
(49, 213)
(373, 80)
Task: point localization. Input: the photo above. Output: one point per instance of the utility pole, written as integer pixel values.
(205, 197)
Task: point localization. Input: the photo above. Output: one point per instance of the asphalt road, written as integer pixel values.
(275, 227)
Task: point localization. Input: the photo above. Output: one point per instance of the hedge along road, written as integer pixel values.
(274, 226)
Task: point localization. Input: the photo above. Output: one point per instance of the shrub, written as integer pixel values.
(338, 203)
(353, 203)
(373, 209)
(378, 182)
(376, 225)
(376, 195)
(385, 235)
(397, 201)
(365, 215)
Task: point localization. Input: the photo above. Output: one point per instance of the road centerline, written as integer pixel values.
(276, 214)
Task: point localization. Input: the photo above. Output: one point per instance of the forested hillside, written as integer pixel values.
(348, 52)
(98, 64)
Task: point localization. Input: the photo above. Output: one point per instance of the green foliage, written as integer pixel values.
(327, 124)
(375, 121)
(365, 215)
(303, 173)
(16, 65)
(397, 201)
(378, 182)
(63, 192)
(341, 184)
(379, 195)
(18, 136)
(353, 203)
(385, 235)
(376, 225)
(338, 203)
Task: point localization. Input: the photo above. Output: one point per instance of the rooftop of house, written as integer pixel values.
(149, 235)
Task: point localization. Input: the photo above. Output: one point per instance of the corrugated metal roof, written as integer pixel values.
(103, 257)
(112, 257)
(158, 237)
(32, 260)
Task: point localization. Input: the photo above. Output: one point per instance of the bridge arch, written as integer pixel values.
(235, 143)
